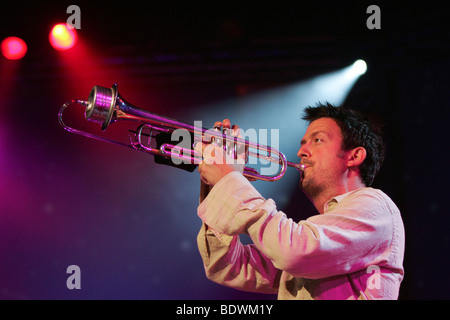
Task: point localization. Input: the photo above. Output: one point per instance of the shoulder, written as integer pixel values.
(367, 199)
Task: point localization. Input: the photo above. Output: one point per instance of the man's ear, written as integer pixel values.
(356, 157)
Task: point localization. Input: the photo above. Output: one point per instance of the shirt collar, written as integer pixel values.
(330, 204)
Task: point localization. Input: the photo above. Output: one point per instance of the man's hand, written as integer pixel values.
(218, 162)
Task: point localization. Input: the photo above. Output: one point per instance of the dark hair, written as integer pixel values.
(356, 132)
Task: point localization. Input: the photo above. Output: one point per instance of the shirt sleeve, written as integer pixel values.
(230, 263)
(353, 236)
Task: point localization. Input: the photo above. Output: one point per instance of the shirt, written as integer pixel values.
(353, 251)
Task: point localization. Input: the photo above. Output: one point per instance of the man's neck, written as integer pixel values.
(322, 198)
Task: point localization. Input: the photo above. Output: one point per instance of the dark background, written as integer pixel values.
(130, 224)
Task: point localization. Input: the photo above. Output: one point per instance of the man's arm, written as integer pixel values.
(349, 239)
(230, 263)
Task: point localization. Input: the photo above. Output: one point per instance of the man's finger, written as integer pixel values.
(226, 124)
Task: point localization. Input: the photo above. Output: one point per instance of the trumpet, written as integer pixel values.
(154, 135)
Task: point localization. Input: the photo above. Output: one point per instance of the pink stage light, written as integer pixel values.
(13, 48)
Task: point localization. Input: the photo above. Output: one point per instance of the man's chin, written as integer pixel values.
(302, 185)
(310, 189)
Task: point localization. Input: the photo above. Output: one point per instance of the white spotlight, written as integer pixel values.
(359, 67)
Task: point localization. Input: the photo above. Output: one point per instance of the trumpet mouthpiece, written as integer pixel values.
(300, 167)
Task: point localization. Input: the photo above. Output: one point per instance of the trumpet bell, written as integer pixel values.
(101, 105)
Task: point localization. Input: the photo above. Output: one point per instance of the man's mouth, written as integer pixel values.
(302, 171)
(305, 165)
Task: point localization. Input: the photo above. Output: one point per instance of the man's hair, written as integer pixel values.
(356, 132)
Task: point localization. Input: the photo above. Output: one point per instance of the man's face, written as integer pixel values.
(321, 152)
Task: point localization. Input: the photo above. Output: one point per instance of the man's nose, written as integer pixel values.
(303, 152)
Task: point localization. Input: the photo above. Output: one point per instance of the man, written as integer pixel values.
(352, 249)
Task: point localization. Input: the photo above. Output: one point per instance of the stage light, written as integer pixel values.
(62, 37)
(14, 48)
(359, 67)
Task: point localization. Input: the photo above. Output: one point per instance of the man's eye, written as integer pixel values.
(318, 140)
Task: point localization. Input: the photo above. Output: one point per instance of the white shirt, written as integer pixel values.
(352, 251)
